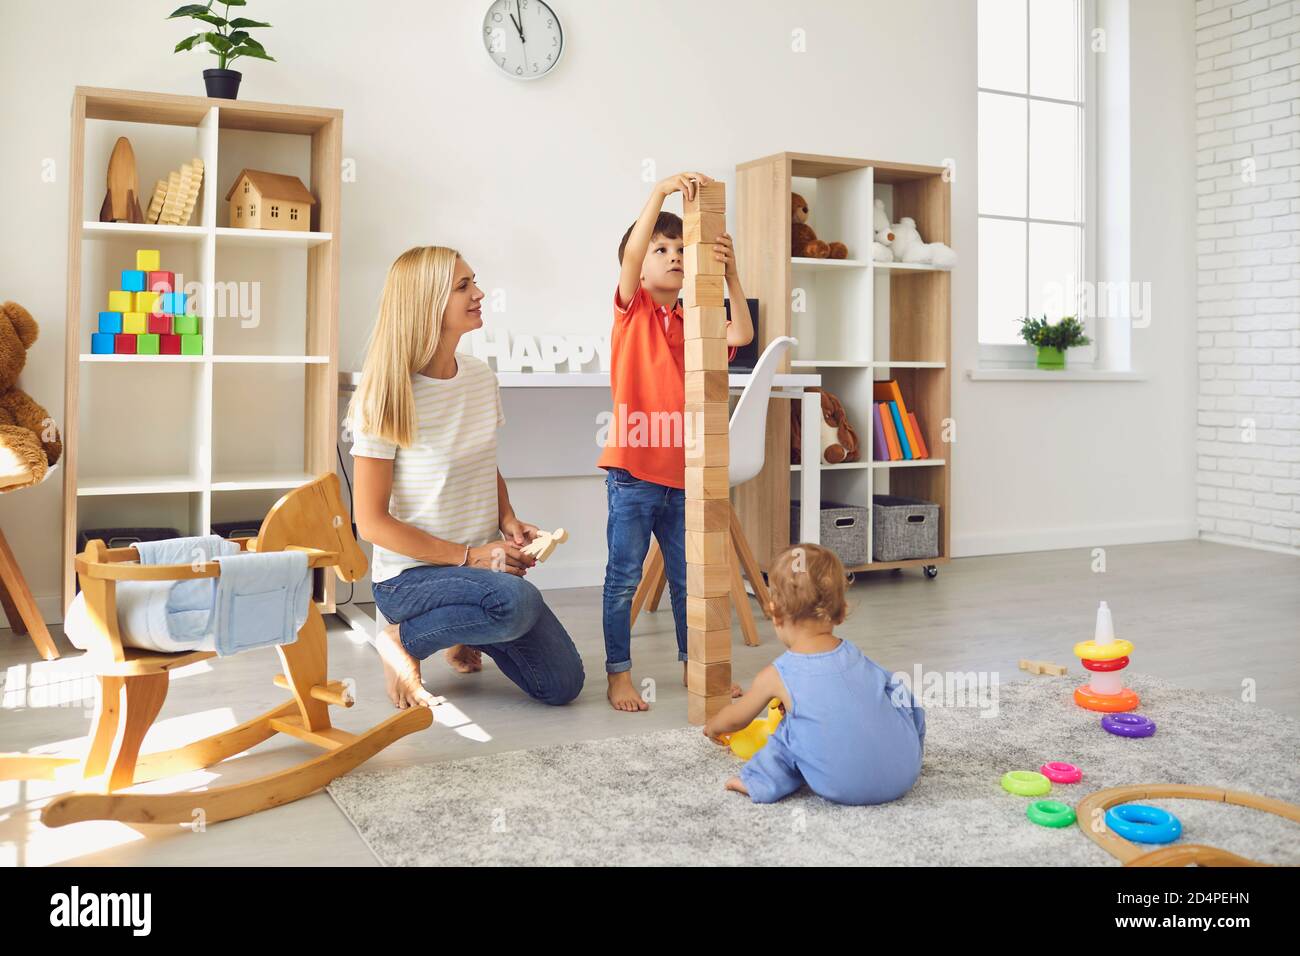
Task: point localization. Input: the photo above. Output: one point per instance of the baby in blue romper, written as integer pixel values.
(851, 732)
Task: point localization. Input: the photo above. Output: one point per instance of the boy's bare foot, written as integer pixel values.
(736, 690)
(401, 672)
(622, 693)
(736, 784)
(465, 659)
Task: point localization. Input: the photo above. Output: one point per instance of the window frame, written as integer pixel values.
(1004, 355)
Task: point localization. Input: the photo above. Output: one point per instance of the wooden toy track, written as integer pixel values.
(1095, 805)
(133, 684)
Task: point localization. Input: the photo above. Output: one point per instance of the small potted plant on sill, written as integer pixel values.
(227, 39)
(1052, 340)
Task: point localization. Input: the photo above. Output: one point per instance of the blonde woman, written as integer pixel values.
(447, 568)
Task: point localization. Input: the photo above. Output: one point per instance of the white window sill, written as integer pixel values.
(1043, 375)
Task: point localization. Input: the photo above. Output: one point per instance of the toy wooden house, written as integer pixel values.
(261, 200)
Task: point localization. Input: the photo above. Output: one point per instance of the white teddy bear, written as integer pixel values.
(880, 250)
(909, 247)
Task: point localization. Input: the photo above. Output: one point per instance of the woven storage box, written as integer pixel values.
(843, 530)
(903, 528)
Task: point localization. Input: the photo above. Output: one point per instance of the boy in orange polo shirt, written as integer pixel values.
(644, 456)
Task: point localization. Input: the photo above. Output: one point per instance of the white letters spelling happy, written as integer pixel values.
(538, 353)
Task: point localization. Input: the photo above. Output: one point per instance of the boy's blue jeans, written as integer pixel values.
(638, 509)
(501, 614)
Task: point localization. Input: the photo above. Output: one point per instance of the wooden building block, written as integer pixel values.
(703, 291)
(708, 613)
(707, 516)
(145, 302)
(701, 259)
(709, 484)
(158, 324)
(704, 322)
(709, 680)
(706, 355)
(161, 281)
(708, 647)
(703, 227)
(135, 323)
(1043, 667)
(700, 708)
(708, 198)
(124, 344)
(707, 581)
(148, 260)
(706, 386)
(707, 453)
(705, 418)
(120, 301)
(708, 547)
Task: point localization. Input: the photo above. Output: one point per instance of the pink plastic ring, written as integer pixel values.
(1118, 664)
(1059, 772)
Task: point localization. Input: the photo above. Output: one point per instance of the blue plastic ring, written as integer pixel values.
(1143, 824)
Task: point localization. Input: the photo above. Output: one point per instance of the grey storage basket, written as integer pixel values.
(903, 528)
(843, 530)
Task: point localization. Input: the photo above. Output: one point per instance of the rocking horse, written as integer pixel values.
(132, 684)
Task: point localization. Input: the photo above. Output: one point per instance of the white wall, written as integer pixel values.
(1248, 231)
(535, 183)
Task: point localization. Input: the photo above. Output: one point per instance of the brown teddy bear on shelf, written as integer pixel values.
(29, 441)
(838, 440)
(803, 241)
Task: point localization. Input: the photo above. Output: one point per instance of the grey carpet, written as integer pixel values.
(657, 799)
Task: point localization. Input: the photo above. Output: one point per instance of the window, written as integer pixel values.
(275, 212)
(252, 210)
(246, 187)
(293, 213)
(1035, 171)
(239, 212)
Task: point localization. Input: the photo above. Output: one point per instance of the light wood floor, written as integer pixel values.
(1203, 615)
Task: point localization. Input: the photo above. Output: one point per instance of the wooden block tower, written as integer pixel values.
(708, 542)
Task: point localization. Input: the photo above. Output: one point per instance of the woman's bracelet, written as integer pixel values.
(464, 560)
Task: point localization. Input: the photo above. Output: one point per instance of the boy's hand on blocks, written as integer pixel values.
(683, 183)
(500, 556)
(725, 251)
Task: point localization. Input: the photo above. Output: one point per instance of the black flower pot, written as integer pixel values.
(222, 84)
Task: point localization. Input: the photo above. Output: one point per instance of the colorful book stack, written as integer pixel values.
(897, 433)
(147, 316)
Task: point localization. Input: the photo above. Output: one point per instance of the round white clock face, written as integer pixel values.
(523, 37)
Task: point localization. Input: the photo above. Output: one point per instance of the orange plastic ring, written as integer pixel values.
(1089, 699)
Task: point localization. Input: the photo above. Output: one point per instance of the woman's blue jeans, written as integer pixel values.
(501, 614)
(637, 510)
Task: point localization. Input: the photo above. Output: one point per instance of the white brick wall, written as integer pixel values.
(1248, 270)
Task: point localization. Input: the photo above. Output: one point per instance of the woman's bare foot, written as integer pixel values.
(623, 695)
(736, 784)
(401, 672)
(465, 659)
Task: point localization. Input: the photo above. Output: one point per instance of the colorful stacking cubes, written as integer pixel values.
(191, 344)
(146, 344)
(148, 260)
(134, 323)
(120, 301)
(185, 324)
(124, 344)
(171, 345)
(133, 280)
(101, 343)
(110, 323)
(173, 303)
(147, 315)
(161, 281)
(159, 324)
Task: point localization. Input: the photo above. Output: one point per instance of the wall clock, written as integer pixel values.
(523, 37)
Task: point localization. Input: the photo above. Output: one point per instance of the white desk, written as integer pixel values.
(787, 386)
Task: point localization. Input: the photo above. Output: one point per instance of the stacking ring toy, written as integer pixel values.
(1059, 772)
(1129, 725)
(1092, 651)
(1026, 783)
(1143, 824)
(1050, 813)
(1114, 664)
(1089, 699)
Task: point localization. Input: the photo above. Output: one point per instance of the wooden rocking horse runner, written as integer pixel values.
(133, 684)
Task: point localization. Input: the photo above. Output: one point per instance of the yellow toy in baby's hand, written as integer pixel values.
(745, 743)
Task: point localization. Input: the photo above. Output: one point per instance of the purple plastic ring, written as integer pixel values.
(1129, 725)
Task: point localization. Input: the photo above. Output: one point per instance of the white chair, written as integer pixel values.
(747, 436)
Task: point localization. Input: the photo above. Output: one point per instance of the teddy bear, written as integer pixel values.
(838, 441)
(29, 441)
(803, 241)
(882, 234)
(909, 247)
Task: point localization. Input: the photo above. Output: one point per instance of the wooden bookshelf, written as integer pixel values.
(856, 321)
(187, 441)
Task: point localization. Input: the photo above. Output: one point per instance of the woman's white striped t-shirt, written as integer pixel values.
(446, 482)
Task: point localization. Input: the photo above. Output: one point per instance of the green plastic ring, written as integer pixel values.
(1050, 813)
(1026, 783)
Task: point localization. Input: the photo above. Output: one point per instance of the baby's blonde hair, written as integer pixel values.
(807, 584)
(402, 342)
